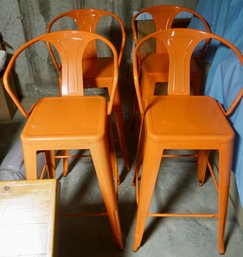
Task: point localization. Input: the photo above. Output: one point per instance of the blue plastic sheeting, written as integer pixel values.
(225, 78)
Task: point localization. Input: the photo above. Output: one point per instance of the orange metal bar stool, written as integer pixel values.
(98, 71)
(181, 121)
(155, 66)
(71, 122)
(154, 63)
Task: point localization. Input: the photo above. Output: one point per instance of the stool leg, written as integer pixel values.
(65, 163)
(151, 163)
(101, 159)
(133, 115)
(29, 154)
(117, 111)
(202, 165)
(139, 154)
(114, 164)
(51, 164)
(225, 158)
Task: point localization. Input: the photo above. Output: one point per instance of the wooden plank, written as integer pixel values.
(27, 218)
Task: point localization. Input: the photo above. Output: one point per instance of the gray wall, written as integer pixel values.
(21, 20)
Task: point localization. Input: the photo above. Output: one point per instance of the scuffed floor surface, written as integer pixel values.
(177, 190)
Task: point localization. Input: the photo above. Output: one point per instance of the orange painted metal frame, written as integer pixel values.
(97, 71)
(155, 66)
(71, 121)
(181, 121)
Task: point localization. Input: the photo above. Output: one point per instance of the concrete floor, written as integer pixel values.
(177, 190)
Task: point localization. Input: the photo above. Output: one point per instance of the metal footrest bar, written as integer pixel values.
(72, 156)
(177, 215)
(213, 176)
(80, 214)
